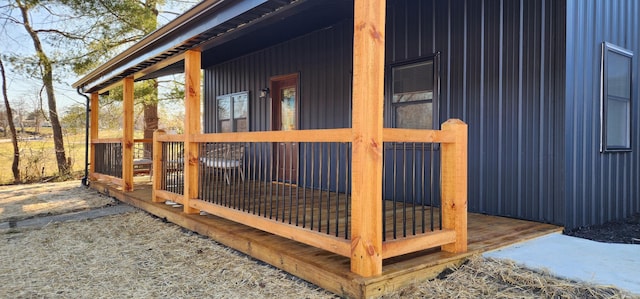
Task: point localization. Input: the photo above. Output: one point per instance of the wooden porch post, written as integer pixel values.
(157, 165)
(93, 132)
(127, 136)
(191, 126)
(368, 84)
(454, 184)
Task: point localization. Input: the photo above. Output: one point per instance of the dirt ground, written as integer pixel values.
(626, 231)
(18, 202)
(135, 255)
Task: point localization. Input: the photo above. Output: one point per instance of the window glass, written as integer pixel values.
(415, 116)
(240, 106)
(616, 98)
(619, 75)
(237, 103)
(617, 120)
(413, 95)
(224, 108)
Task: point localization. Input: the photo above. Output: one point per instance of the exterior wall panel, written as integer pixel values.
(323, 60)
(502, 72)
(601, 187)
(500, 61)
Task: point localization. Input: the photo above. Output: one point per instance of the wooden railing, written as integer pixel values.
(251, 192)
(108, 160)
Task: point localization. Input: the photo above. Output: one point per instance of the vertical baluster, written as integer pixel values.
(313, 183)
(431, 198)
(384, 192)
(413, 189)
(291, 182)
(404, 189)
(304, 186)
(338, 152)
(328, 187)
(347, 184)
(395, 207)
(259, 193)
(321, 152)
(439, 195)
(423, 199)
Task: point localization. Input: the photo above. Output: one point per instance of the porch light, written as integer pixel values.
(264, 93)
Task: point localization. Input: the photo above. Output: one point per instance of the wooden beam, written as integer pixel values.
(368, 85)
(325, 135)
(171, 138)
(454, 184)
(156, 168)
(303, 235)
(413, 135)
(127, 134)
(163, 196)
(192, 64)
(109, 179)
(107, 140)
(417, 243)
(93, 130)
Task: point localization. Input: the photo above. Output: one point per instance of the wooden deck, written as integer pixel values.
(329, 270)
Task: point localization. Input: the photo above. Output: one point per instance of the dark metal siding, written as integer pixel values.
(502, 72)
(600, 187)
(500, 67)
(323, 60)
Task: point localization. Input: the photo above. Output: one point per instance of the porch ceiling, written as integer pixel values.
(222, 30)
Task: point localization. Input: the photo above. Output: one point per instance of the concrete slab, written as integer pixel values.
(579, 259)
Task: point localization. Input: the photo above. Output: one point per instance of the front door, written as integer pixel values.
(284, 112)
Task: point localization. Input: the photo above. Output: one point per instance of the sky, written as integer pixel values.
(23, 90)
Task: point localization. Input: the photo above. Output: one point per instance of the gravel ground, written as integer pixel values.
(135, 255)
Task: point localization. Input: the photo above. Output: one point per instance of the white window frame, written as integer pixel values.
(605, 146)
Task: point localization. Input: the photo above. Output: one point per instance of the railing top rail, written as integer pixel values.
(107, 140)
(170, 137)
(415, 135)
(323, 135)
(143, 140)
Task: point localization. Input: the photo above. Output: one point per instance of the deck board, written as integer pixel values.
(332, 271)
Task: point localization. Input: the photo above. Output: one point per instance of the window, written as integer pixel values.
(616, 99)
(233, 112)
(414, 94)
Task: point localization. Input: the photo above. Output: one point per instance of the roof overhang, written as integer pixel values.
(221, 29)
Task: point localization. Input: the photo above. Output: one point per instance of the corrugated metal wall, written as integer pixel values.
(323, 59)
(501, 72)
(600, 187)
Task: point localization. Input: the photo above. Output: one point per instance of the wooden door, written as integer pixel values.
(284, 111)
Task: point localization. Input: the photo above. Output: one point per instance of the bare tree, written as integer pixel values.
(46, 69)
(12, 127)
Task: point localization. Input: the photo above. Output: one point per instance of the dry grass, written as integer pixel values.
(138, 256)
(490, 278)
(25, 201)
(134, 256)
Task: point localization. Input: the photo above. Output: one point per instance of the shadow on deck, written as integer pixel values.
(329, 270)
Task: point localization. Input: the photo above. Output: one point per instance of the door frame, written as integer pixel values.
(272, 88)
(275, 117)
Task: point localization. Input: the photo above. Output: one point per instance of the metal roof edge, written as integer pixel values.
(203, 8)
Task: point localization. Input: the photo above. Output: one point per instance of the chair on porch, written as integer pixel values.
(142, 161)
(227, 158)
